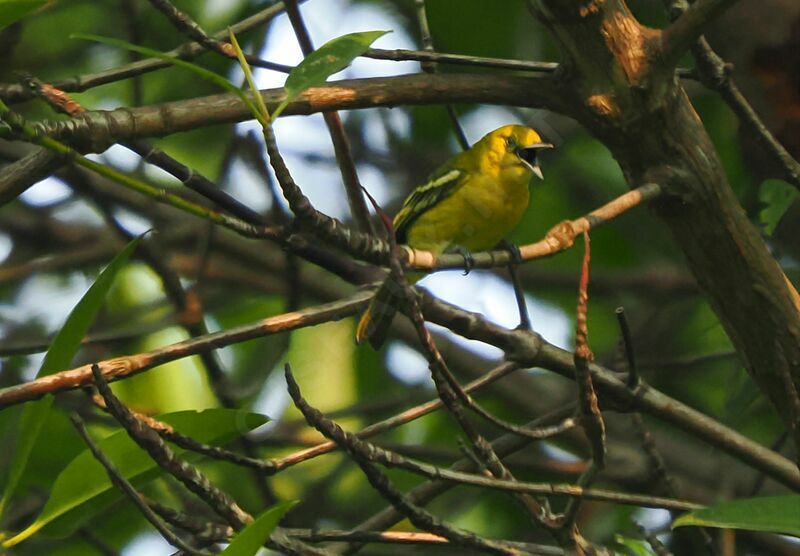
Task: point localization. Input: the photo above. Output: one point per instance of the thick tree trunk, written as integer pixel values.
(615, 83)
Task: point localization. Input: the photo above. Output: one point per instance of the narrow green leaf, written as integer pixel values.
(84, 480)
(774, 514)
(777, 197)
(14, 10)
(331, 57)
(58, 357)
(250, 539)
(201, 72)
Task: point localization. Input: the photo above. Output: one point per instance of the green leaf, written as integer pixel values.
(778, 196)
(773, 514)
(58, 357)
(250, 539)
(201, 72)
(13, 10)
(636, 547)
(84, 479)
(331, 57)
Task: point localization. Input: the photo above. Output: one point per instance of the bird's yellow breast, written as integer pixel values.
(477, 217)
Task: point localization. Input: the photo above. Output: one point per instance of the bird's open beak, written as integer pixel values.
(528, 156)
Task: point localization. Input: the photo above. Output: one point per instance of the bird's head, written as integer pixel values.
(519, 146)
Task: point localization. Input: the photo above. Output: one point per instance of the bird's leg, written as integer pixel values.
(519, 294)
(469, 260)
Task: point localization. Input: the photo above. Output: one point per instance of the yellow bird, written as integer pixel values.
(470, 203)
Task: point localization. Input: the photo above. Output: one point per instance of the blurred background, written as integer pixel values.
(54, 239)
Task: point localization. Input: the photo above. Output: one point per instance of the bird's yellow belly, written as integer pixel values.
(477, 218)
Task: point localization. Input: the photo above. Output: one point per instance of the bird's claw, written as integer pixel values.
(513, 250)
(469, 260)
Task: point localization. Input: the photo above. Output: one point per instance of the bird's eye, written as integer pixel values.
(510, 143)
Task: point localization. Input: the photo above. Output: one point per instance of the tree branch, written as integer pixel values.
(716, 75)
(528, 349)
(419, 517)
(119, 480)
(610, 51)
(531, 350)
(678, 37)
(559, 238)
(172, 117)
(121, 367)
(13, 93)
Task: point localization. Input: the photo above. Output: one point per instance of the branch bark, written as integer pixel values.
(618, 87)
(99, 127)
(689, 27)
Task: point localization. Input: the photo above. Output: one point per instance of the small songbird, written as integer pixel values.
(470, 203)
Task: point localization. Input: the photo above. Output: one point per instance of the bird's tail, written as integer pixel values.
(376, 320)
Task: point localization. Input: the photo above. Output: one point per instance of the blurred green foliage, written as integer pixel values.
(634, 264)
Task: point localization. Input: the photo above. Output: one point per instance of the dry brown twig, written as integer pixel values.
(560, 237)
(591, 417)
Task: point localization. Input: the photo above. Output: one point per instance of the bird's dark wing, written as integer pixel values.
(441, 185)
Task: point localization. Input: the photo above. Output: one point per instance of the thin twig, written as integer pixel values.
(341, 146)
(189, 307)
(22, 130)
(777, 446)
(627, 343)
(403, 418)
(538, 433)
(125, 366)
(402, 55)
(307, 216)
(715, 74)
(689, 361)
(574, 504)
(686, 29)
(189, 27)
(187, 474)
(404, 538)
(201, 528)
(63, 102)
(657, 546)
(560, 237)
(519, 292)
(425, 493)
(392, 459)
(530, 349)
(99, 544)
(657, 463)
(429, 56)
(450, 391)
(122, 484)
(133, 30)
(416, 515)
(263, 466)
(373, 453)
(13, 93)
(429, 66)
